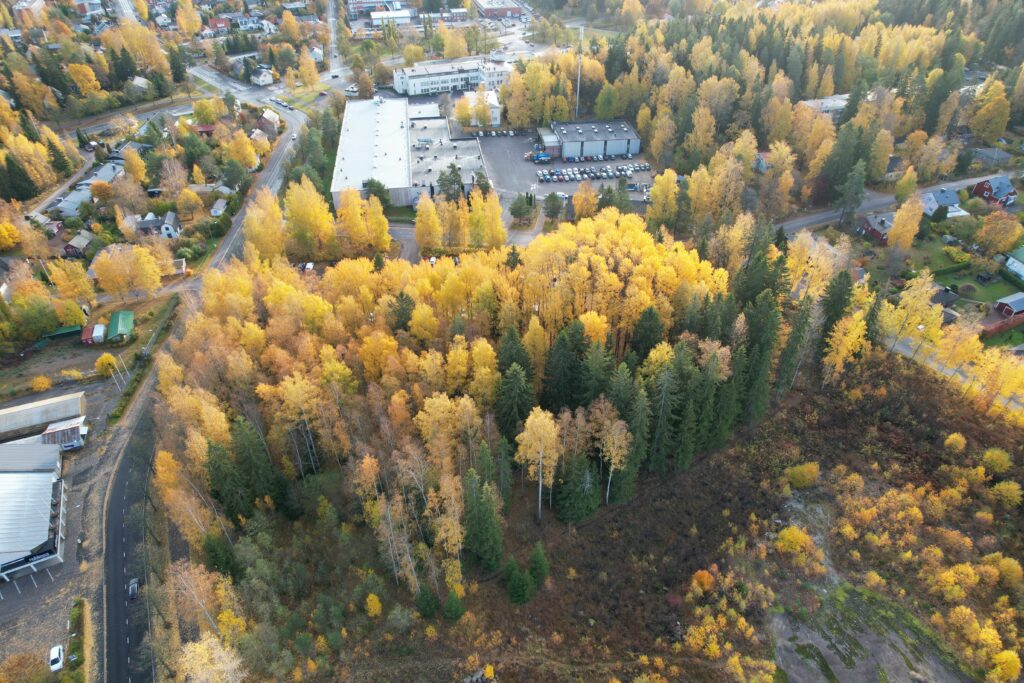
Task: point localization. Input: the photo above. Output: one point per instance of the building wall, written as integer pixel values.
(572, 149)
(616, 147)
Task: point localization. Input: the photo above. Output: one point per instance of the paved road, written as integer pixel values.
(873, 201)
(126, 624)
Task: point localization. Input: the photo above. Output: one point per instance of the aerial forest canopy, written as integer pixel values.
(640, 448)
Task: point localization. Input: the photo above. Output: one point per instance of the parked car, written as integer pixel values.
(56, 658)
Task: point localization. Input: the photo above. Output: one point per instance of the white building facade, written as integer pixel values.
(431, 78)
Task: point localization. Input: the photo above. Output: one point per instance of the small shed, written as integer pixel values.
(94, 334)
(122, 323)
(68, 434)
(65, 331)
(1011, 305)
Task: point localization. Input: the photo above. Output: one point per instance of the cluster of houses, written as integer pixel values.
(998, 191)
(112, 169)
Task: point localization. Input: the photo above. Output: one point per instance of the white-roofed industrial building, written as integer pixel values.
(401, 146)
(33, 499)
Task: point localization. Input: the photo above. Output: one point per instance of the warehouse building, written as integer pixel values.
(405, 147)
(578, 139)
(33, 502)
(33, 418)
(431, 78)
(497, 9)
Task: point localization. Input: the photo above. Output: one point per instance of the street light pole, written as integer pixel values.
(579, 75)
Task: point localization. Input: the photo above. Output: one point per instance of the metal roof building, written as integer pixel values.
(596, 138)
(405, 147)
(33, 498)
(121, 325)
(31, 417)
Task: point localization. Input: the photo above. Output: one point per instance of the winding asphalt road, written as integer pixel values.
(126, 624)
(873, 201)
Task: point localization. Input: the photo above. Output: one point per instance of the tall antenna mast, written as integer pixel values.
(579, 75)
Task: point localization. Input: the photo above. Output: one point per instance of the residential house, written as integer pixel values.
(269, 27)
(261, 77)
(250, 24)
(219, 25)
(833, 106)
(258, 135)
(877, 225)
(68, 206)
(945, 297)
(138, 85)
(121, 325)
(218, 208)
(163, 21)
(118, 154)
(168, 226)
(991, 157)
(89, 8)
(1015, 262)
(894, 169)
(1011, 305)
(78, 245)
(998, 190)
(107, 173)
(203, 129)
(269, 122)
(28, 11)
(317, 53)
(942, 198)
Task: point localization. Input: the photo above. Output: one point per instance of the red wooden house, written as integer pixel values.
(998, 190)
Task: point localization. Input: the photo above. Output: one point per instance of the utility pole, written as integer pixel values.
(579, 75)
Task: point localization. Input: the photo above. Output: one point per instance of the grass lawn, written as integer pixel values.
(925, 253)
(205, 86)
(1009, 338)
(989, 293)
(403, 214)
(304, 98)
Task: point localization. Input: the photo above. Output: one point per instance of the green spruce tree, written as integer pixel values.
(539, 568)
(649, 332)
(511, 351)
(514, 401)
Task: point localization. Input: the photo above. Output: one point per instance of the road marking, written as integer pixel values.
(127, 641)
(52, 580)
(17, 586)
(33, 580)
(1, 596)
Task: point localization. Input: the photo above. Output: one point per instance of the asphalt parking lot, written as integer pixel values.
(511, 175)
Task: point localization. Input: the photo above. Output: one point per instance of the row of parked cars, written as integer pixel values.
(282, 103)
(606, 157)
(562, 175)
(495, 133)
